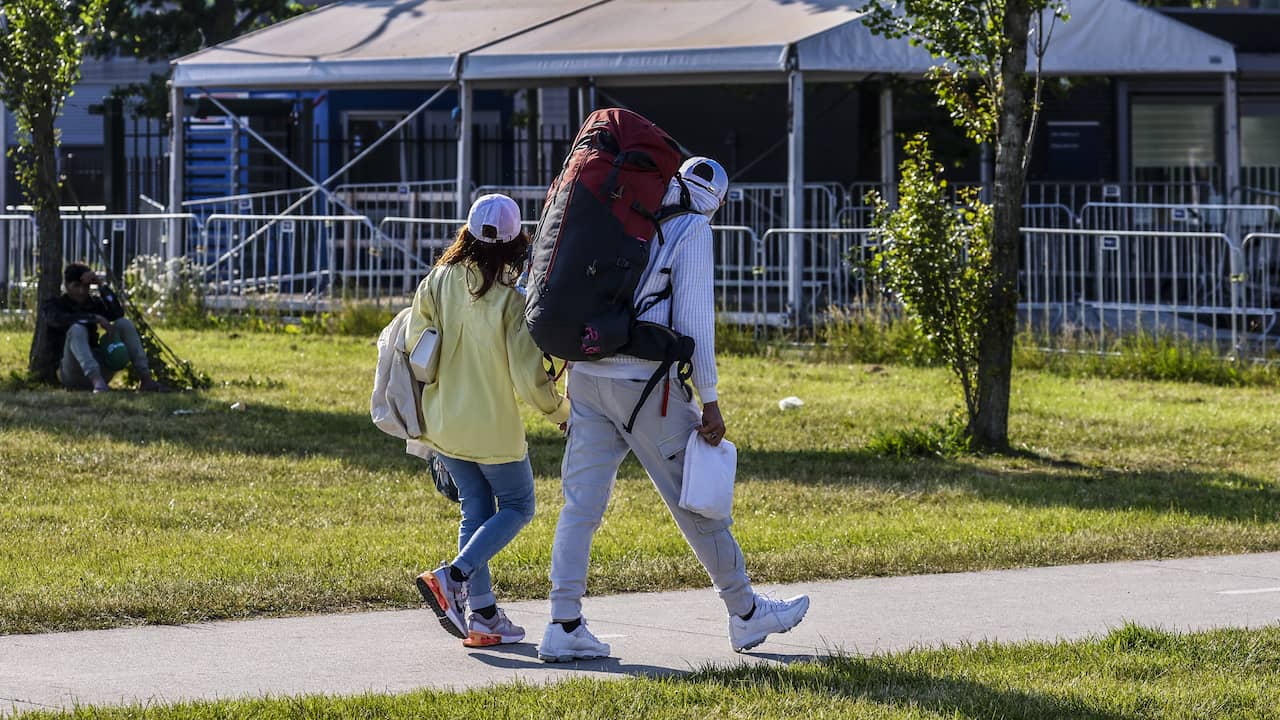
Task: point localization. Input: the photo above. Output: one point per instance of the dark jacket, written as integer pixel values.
(62, 312)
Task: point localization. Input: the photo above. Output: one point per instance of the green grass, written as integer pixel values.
(126, 509)
(1129, 674)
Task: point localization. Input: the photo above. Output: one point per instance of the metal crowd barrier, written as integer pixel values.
(761, 206)
(830, 270)
(411, 246)
(314, 256)
(1105, 283)
(18, 262)
(274, 202)
(1198, 284)
(739, 262)
(121, 238)
(530, 198)
(1180, 217)
(1259, 287)
(377, 201)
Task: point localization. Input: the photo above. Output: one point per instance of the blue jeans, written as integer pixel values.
(488, 526)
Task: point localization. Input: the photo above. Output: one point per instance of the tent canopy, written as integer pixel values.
(430, 42)
(365, 43)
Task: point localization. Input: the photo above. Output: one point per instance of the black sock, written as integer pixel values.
(456, 575)
(569, 625)
(487, 612)
(748, 615)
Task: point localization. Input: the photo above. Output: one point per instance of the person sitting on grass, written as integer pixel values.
(485, 357)
(72, 321)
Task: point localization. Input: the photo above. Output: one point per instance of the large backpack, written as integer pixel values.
(592, 246)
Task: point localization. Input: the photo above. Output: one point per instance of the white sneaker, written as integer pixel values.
(560, 646)
(771, 616)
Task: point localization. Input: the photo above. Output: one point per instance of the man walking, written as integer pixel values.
(605, 393)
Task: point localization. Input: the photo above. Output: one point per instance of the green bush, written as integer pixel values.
(936, 260)
(878, 333)
(945, 439)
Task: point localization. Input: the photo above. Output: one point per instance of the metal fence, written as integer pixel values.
(116, 240)
(1107, 283)
(18, 262)
(1180, 217)
(377, 201)
(831, 273)
(1258, 279)
(1103, 282)
(299, 255)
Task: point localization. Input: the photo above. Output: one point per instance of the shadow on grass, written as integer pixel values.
(206, 426)
(1043, 483)
(874, 680)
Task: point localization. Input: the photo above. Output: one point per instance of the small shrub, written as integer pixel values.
(362, 319)
(878, 333)
(171, 291)
(936, 259)
(945, 439)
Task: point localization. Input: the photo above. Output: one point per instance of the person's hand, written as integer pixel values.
(564, 427)
(104, 323)
(712, 427)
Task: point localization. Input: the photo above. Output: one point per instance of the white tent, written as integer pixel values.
(365, 43)
(423, 43)
(510, 43)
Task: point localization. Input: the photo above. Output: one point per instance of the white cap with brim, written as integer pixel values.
(705, 173)
(494, 218)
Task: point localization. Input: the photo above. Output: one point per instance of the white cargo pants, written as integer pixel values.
(597, 445)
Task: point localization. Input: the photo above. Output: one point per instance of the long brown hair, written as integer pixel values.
(498, 263)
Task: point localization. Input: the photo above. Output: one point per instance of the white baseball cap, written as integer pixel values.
(494, 218)
(706, 174)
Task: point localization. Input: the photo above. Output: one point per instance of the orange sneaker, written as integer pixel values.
(446, 597)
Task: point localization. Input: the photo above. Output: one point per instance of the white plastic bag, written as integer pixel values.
(708, 478)
(423, 354)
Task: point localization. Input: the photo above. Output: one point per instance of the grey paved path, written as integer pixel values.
(397, 651)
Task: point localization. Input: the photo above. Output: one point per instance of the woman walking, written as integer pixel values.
(484, 359)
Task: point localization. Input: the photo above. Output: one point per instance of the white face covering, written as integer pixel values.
(703, 200)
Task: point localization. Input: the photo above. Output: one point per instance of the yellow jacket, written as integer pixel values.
(485, 358)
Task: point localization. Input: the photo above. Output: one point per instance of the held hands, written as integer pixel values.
(712, 427)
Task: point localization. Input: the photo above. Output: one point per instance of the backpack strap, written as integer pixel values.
(678, 352)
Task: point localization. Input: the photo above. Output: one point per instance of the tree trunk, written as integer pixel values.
(222, 26)
(990, 429)
(43, 366)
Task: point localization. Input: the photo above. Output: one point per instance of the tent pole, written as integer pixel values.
(464, 147)
(795, 193)
(888, 163)
(1231, 179)
(1122, 133)
(1231, 138)
(177, 166)
(4, 195)
(4, 158)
